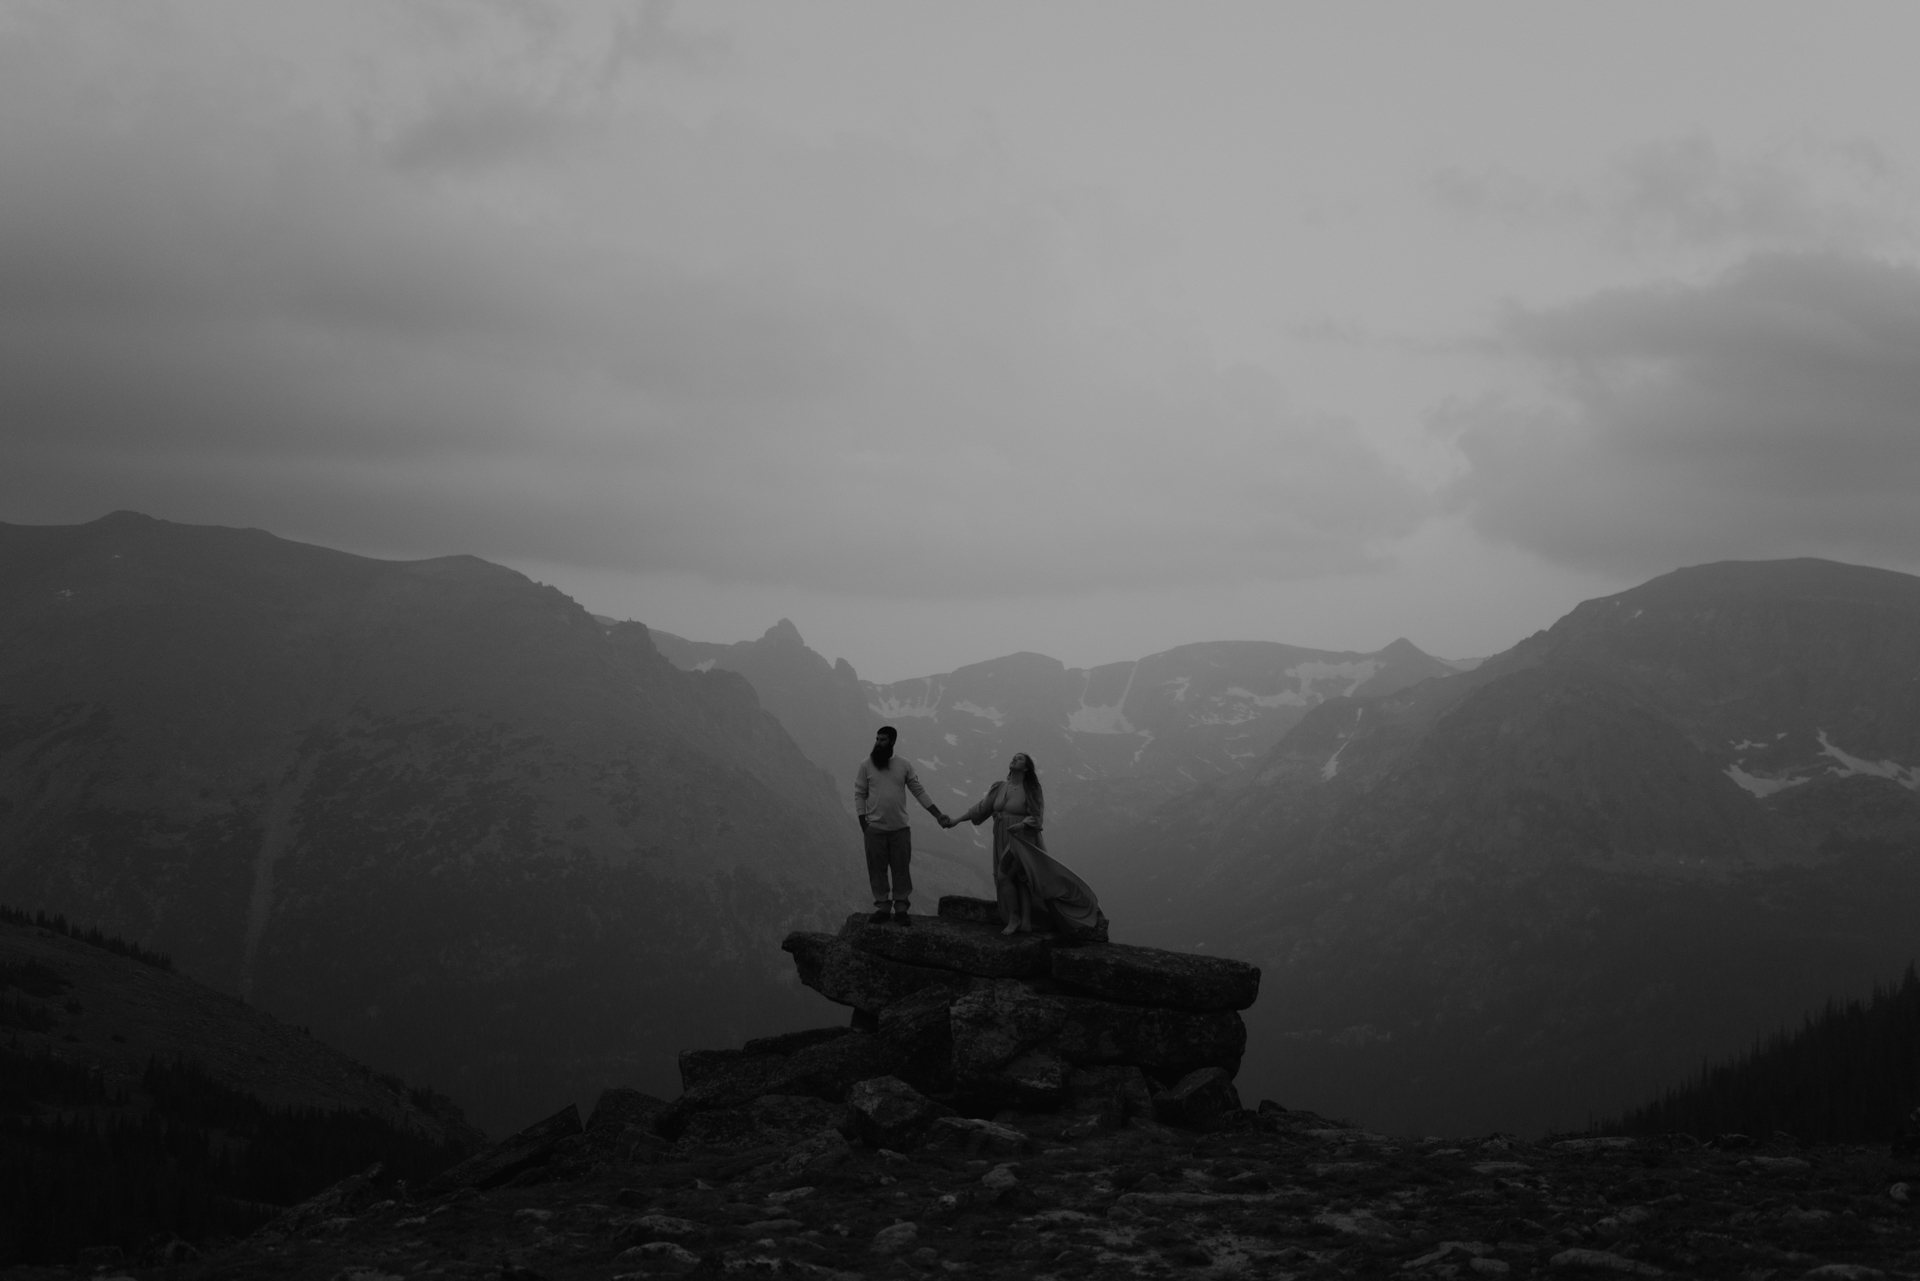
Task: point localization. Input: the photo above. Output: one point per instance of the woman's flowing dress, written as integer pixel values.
(1036, 891)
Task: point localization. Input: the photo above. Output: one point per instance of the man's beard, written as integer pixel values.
(882, 753)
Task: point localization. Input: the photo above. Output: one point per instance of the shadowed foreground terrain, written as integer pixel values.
(1281, 1194)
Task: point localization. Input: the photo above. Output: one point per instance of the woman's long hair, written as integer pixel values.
(1030, 780)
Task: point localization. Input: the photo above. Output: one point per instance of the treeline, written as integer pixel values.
(194, 1159)
(1850, 1075)
(92, 934)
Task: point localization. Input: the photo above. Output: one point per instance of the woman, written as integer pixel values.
(1032, 886)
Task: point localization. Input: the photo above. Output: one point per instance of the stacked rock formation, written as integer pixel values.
(975, 1023)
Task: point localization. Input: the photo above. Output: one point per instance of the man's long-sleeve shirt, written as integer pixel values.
(880, 795)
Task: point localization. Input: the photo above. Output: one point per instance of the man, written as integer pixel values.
(880, 790)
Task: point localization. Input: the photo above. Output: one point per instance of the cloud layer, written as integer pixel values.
(1771, 411)
(455, 277)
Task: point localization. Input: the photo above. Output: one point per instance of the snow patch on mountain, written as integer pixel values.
(1104, 718)
(1908, 776)
(993, 714)
(892, 707)
(1332, 767)
(1762, 787)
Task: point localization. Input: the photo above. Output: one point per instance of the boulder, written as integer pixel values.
(1152, 976)
(772, 1120)
(621, 1107)
(867, 981)
(1201, 1100)
(1035, 1080)
(511, 1157)
(920, 1027)
(939, 942)
(794, 1042)
(732, 1084)
(995, 1024)
(973, 911)
(829, 1070)
(971, 1135)
(886, 1112)
(1107, 1096)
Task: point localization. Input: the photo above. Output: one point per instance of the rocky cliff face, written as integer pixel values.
(1677, 819)
(431, 809)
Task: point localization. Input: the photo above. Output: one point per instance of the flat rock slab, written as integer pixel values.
(867, 981)
(972, 911)
(939, 942)
(1152, 976)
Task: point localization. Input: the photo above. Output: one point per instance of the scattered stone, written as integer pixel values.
(1609, 1144)
(1153, 976)
(1201, 1100)
(656, 1253)
(664, 1227)
(1602, 1259)
(894, 1239)
(1036, 1080)
(970, 1134)
(818, 1153)
(886, 1112)
(1000, 1178)
(509, 1158)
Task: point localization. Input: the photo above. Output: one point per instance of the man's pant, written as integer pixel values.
(889, 852)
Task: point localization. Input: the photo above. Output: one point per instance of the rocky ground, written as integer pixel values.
(1273, 1194)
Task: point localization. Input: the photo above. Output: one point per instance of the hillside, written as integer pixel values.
(1851, 1074)
(430, 809)
(1540, 890)
(136, 1103)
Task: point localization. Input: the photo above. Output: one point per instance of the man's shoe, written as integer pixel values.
(880, 918)
(901, 918)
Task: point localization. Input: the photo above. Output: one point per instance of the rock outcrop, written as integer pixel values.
(984, 1022)
(955, 1030)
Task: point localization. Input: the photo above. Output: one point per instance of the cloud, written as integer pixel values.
(436, 278)
(1688, 193)
(1771, 411)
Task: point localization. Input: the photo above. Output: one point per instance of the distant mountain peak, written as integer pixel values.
(785, 633)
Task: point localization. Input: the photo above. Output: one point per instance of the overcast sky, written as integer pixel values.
(953, 330)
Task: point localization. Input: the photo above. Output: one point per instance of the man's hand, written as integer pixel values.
(947, 822)
(863, 824)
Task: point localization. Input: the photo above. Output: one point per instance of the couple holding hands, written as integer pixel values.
(1036, 891)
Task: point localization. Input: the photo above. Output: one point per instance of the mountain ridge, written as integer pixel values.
(1553, 853)
(430, 808)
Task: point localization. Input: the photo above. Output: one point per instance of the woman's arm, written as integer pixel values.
(982, 809)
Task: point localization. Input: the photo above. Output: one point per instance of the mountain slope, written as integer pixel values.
(431, 809)
(138, 1106)
(1545, 886)
(1110, 741)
